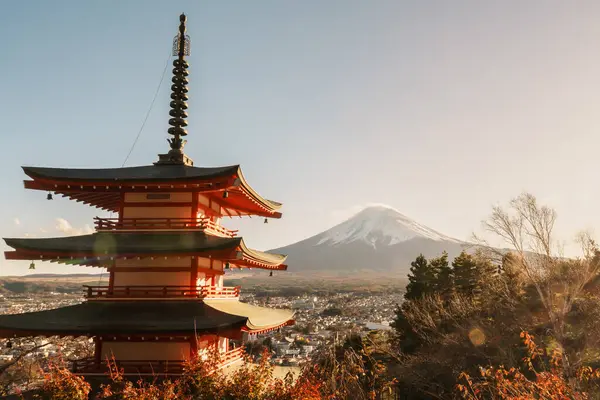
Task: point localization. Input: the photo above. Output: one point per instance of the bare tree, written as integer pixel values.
(28, 362)
(527, 228)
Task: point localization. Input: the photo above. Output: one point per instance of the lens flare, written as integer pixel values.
(477, 337)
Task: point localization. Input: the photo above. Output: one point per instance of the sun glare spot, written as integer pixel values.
(477, 337)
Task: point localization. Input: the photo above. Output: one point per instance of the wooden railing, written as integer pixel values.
(137, 224)
(97, 292)
(231, 356)
(138, 367)
(211, 227)
(147, 367)
(219, 292)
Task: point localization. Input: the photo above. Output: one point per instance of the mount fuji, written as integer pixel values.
(377, 239)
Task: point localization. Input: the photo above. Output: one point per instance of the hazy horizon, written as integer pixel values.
(437, 109)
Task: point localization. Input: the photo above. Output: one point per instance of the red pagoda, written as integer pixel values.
(166, 254)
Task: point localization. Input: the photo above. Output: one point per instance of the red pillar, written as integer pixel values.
(194, 347)
(97, 350)
(111, 276)
(194, 214)
(194, 273)
(121, 206)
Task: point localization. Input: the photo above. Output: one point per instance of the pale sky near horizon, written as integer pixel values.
(440, 109)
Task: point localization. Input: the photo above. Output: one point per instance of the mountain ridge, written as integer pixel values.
(376, 239)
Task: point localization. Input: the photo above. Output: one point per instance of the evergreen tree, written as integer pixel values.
(444, 277)
(486, 271)
(421, 279)
(465, 273)
(472, 273)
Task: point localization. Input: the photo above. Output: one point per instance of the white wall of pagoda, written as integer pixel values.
(145, 205)
(152, 205)
(132, 275)
(206, 342)
(168, 271)
(205, 204)
(152, 279)
(145, 350)
(142, 351)
(156, 212)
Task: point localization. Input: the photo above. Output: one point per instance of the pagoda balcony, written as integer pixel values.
(160, 292)
(92, 366)
(162, 224)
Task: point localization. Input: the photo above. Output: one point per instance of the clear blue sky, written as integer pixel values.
(437, 108)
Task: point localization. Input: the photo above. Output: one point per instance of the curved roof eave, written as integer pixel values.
(267, 258)
(258, 317)
(269, 204)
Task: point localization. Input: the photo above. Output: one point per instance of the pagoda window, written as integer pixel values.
(158, 197)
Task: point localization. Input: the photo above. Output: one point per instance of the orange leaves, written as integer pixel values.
(61, 384)
(513, 384)
(201, 380)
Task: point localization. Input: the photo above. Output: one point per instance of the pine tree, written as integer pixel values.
(421, 279)
(486, 272)
(444, 277)
(472, 273)
(465, 273)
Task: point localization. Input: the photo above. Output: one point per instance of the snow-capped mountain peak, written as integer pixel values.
(379, 225)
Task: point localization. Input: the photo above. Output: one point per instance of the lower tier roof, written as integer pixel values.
(139, 318)
(259, 318)
(89, 249)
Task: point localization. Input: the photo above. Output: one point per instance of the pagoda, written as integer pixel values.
(166, 253)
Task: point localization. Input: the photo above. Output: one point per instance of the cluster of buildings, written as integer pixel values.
(324, 320)
(320, 320)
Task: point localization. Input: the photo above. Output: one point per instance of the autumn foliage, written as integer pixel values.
(200, 380)
(61, 384)
(542, 377)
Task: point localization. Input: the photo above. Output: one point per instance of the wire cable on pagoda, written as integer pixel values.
(162, 77)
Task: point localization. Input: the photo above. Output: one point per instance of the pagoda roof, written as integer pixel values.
(98, 248)
(102, 187)
(259, 318)
(138, 318)
(146, 173)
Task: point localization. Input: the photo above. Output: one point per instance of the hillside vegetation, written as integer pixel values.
(503, 326)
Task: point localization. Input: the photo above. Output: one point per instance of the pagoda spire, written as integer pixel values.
(179, 97)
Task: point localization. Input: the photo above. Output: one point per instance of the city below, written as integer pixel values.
(321, 316)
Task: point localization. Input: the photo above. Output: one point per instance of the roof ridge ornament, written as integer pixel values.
(179, 97)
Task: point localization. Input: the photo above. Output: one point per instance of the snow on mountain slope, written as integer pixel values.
(378, 226)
